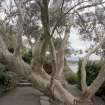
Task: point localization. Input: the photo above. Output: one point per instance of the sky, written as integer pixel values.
(78, 44)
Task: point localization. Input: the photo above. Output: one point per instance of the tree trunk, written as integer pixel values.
(39, 78)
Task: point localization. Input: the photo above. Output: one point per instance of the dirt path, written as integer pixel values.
(21, 96)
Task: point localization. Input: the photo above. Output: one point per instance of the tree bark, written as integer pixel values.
(54, 63)
(61, 53)
(84, 86)
(83, 75)
(39, 80)
(20, 21)
(93, 88)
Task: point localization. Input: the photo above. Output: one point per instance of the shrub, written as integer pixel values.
(27, 56)
(92, 70)
(7, 78)
(71, 77)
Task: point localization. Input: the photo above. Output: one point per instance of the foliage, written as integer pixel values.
(27, 56)
(72, 78)
(92, 70)
(7, 78)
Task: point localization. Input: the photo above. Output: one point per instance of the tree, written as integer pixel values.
(91, 26)
(44, 20)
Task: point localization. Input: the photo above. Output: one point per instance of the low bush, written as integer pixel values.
(7, 79)
(92, 70)
(27, 57)
(71, 77)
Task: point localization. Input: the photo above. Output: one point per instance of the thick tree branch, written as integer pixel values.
(39, 80)
(84, 62)
(60, 53)
(45, 18)
(36, 51)
(97, 83)
(3, 47)
(41, 50)
(19, 38)
(83, 75)
(54, 66)
(19, 26)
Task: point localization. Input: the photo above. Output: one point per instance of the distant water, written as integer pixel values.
(73, 63)
(74, 67)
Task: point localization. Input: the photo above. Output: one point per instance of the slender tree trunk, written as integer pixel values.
(83, 76)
